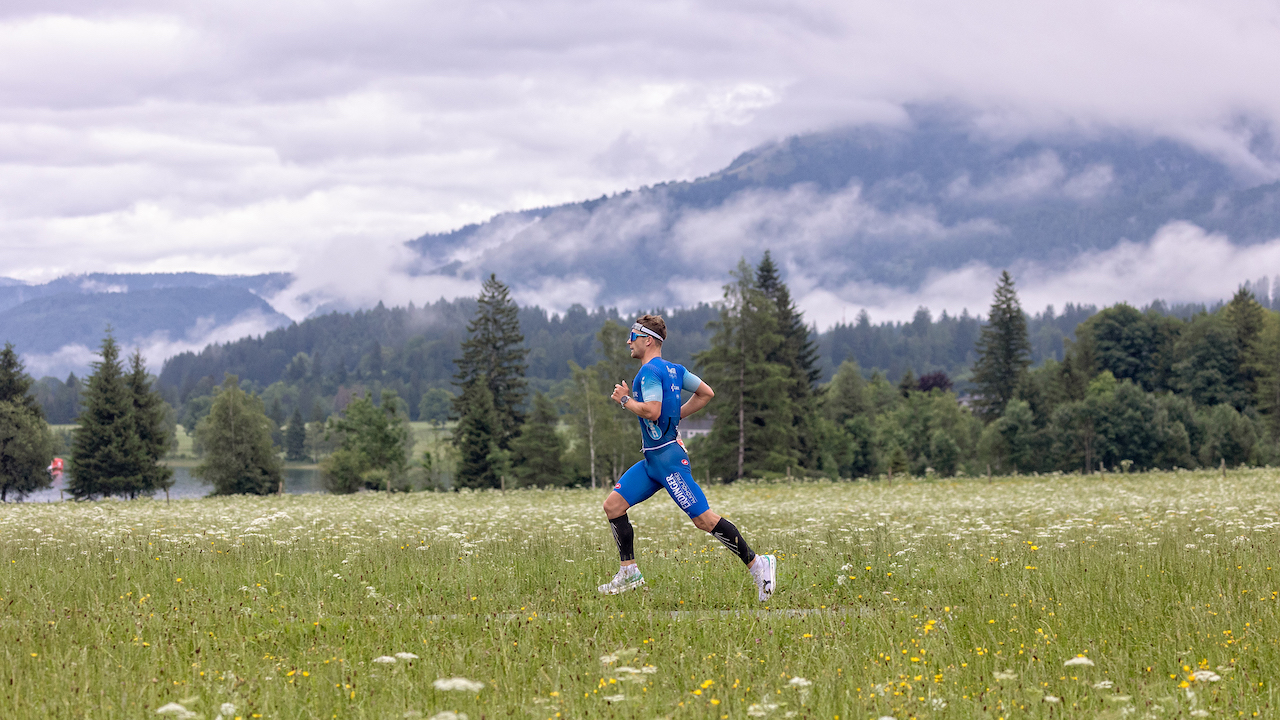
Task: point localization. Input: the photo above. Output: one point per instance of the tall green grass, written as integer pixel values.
(921, 599)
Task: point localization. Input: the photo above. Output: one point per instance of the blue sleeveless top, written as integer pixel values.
(669, 377)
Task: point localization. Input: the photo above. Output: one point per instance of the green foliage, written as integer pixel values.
(605, 440)
(236, 435)
(476, 437)
(154, 425)
(373, 446)
(1004, 353)
(494, 354)
(110, 455)
(755, 428)
(295, 438)
(845, 396)
(537, 453)
(435, 406)
(1207, 363)
(26, 445)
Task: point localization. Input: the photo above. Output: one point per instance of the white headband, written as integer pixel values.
(638, 328)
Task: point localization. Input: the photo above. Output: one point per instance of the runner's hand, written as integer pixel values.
(620, 391)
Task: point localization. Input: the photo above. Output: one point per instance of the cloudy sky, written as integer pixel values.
(244, 137)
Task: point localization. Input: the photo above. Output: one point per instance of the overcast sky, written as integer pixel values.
(244, 137)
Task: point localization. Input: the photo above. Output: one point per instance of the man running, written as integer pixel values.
(656, 402)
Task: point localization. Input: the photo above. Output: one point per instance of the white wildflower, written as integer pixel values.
(1199, 713)
(384, 659)
(1078, 660)
(938, 703)
(227, 710)
(406, 656)
(760, 710)
(1052, 699)
(458, 683)
(448, 715)
(1103, 685)
(373, 592)
(1006, 675)
(609, 659)
(799, 682)
(614, 698)
(1206, 676)
(176, 710)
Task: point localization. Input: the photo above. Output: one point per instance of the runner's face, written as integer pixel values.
(638, 346)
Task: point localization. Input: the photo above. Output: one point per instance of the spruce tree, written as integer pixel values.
(798, 353)
(1004, 352)
(108, 456)
(151, 423)
(494, 352)
(236, 434)
(537, 452)
(15, 383)
(26, 445)
(295, 438)
(755, 428)
(476, 436)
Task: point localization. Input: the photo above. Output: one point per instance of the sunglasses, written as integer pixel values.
(638, 331)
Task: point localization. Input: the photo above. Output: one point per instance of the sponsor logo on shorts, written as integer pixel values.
(680, 491)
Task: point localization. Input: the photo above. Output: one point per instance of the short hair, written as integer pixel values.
(654, 323)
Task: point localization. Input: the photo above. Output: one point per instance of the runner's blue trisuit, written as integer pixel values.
(665, 464)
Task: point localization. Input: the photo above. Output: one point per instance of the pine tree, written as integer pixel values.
(1247, 317)
(152, 425)
(295, 438)
(26, 445)
(494, 355)
(236, 434)
(537, 452)
(15, 383)
(476, 436)
(798, 352)
(754, 430)
(1004, 352)
(108, 456)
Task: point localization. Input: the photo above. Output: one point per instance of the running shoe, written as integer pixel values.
(765, 572)
(628, 578)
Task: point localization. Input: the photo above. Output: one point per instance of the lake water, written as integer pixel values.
(297, 481)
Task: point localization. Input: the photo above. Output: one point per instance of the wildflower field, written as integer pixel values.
(1150, 596)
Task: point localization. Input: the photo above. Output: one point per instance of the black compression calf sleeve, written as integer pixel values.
(624, 536)
(729, 536)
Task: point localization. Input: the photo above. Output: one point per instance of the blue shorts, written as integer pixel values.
(666, 467)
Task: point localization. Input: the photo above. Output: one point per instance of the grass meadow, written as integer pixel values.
(1144, 596)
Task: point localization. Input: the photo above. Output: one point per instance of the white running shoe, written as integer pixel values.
(765, 572)
(628, 578)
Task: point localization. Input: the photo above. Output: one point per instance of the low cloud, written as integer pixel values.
(155, 348)
(1180, 263)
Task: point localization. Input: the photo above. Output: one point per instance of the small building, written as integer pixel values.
(699, 424)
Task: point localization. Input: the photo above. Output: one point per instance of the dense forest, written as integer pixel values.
(411, 350)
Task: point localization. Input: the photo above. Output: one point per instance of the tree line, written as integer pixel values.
(1134, 389)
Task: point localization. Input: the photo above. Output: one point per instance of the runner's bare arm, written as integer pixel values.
(700, 398)
(651, 410)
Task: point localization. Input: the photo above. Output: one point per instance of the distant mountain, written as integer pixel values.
(879, 205)
(58, 326)
(16, 292)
